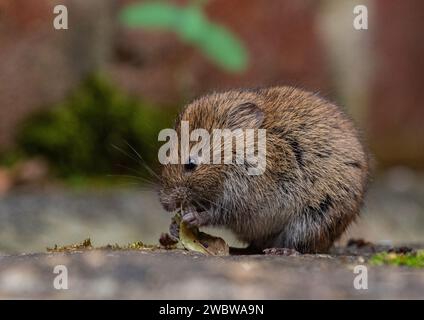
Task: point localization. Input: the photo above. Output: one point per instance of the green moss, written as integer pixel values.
(95, 132)
(86, 245)
(138, 245)
(411, 259)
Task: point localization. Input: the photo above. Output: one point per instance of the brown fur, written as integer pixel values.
(314, 182)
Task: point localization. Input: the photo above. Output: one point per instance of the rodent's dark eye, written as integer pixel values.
(191, 165)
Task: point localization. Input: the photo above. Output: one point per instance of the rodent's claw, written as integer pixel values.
(190, 218)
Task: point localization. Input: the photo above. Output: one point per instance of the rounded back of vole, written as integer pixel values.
(315, 176)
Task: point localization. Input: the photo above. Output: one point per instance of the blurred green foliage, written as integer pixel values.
(191, 24)
(410, 259)
(96, 131)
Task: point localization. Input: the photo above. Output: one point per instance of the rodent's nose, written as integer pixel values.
(173, 199)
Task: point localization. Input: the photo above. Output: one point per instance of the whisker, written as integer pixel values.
(139, 160)
(139, 173)
(215, 204)
(128, 184)
(124, 152)
(140, 187)
(143, 162)
(144, 180)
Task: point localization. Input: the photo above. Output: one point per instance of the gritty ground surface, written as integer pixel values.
(31, 221)
(179, 274)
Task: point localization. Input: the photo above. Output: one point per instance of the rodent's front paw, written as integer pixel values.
(196, 219)
(174, 229)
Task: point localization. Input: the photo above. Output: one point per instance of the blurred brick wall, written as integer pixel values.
(396, 113)
(281, 37)
(40, 65)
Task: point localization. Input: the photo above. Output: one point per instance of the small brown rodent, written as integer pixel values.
(314, 182)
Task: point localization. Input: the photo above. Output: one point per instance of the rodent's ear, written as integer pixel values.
(245, 116)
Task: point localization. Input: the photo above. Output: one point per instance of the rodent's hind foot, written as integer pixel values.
(281, 252)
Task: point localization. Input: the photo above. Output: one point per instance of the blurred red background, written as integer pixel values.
(378, 74)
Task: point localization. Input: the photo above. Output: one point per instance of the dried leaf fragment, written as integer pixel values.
(194, 240)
